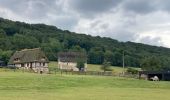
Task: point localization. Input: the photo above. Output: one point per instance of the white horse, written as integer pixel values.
(155, 78)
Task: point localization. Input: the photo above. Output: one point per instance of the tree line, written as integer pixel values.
(18, 35)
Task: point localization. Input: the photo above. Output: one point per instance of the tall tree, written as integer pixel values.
(106, 66)
(151, 64)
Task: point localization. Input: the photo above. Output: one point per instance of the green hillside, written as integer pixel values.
(18, 35)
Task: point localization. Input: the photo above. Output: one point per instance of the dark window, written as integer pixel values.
(43, 64)
(22, 65)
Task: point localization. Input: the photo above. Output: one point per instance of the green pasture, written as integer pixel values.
(30, 86)
(93, 67)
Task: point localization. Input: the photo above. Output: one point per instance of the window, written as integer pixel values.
(22, 65)
(27, 64)
(16, 59)
(43, 58)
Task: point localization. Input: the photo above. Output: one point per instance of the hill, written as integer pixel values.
(16, 35)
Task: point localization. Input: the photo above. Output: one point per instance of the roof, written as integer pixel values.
(72, 56)
(154, 72)
(28, 55)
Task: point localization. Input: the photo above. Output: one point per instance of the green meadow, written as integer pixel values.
(93, 67)
(30, 86)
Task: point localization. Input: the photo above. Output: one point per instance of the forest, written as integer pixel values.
(16, 35)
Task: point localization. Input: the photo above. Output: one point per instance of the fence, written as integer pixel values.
(96, 73)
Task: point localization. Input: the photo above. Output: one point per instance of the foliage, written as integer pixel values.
(106, 66)
(5, 55)
(132, 70)
(80, 65)
(151, 64)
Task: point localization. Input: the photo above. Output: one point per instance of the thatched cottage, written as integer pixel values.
(68, 60)
(32, 59)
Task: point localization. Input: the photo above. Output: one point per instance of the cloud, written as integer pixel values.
(139, 6)
(90, 8)
(63, 21)
(151, 40)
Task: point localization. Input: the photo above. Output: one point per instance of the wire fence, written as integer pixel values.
(67, 72)
(96, 73)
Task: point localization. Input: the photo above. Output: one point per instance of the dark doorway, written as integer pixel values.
(41, 72)
(167, 77)
(152, 75)
(31, 65)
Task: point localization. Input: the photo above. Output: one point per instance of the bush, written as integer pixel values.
(106, 66)
(80, 65)
(132, 71)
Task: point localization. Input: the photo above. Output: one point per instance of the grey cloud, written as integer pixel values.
(120, 32)
(14, 5)
(145, 6)
(65, 22)
(33, 9)
(92, 7)
(150, 40)
(123, 36)
(163, 5)
(139, 6)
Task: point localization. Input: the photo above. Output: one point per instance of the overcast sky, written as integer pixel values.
(145, 21)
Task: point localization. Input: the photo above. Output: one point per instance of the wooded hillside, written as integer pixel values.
(18, 35)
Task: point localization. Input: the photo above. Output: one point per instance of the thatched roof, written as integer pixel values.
(72, 57)
(28, 55)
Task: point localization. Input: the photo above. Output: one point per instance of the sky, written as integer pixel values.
(142, 21)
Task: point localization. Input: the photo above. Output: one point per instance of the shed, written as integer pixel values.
(162, 75)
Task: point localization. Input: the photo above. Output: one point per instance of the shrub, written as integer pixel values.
(132, 71)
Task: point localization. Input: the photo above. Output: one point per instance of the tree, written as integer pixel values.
(151, 64)
(80, 65)
(5, 55)
(109, 56)
(96, 56)
(132, 70)
(106, 66)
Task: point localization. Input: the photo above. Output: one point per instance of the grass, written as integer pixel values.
(93, 67)
(30, 86)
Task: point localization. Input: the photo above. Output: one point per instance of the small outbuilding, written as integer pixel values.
(33, 59)
(68, 60)
(162, 75)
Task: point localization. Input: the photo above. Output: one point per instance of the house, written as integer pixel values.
(162, 75)
(31, 59)
(68, 60)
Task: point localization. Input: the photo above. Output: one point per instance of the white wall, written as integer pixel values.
(69, 66)
(36, 66)
(18, 65)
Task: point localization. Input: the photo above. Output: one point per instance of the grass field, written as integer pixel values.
(30, 86)
(92, 67)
